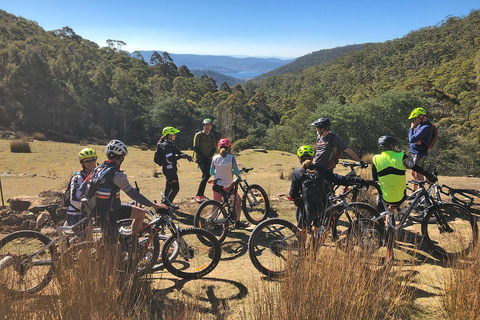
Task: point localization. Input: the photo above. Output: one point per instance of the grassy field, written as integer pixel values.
(232, 288)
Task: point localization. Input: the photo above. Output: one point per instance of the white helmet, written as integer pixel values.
(116, 147)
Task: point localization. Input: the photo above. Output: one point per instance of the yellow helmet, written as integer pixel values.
(305, 151)
(169, 130)
(86, 154)
(416, 112)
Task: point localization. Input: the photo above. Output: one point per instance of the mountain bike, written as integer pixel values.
(275, 242)
(357, 194)
(188, 253)
(453, 233)
(220, 217)
(28, 258)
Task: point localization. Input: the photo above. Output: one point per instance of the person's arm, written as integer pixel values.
(352, 154)
(212, 169)
(341, 180)
(235, 167)
(416, 135)
(75, 193)
(411, 165)
(196, 148)
(120, 179)
(374, 173)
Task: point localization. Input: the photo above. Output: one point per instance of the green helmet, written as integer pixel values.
(207, 120)
(169, 130)
(87, 153)
(305, 151)
(416, 112)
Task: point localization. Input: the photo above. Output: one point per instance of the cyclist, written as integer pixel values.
(223, 167)
(329, 146)
(310, 191)
(204, 147)
(88, 160)
(172, 154)
(108, 205)
(420, 136)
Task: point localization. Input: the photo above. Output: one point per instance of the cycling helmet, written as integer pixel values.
(224, 143)
(116, 147)
(169, 130)
(322, 123)
(386, 142)
(416, 112)
(86, 154)
(305, 151)
(207, 120)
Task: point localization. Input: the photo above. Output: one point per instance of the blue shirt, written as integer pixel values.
(424, 133)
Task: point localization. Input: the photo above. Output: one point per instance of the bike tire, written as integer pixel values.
(272, 245)
(148, 261)
(195, 258)
(453, 243)
(468, 198)
(159, 263)
(255, 204)
(39, 269)
(212, 216)
(363, 232)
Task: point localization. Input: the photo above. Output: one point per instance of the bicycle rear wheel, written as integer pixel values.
(363, 232)
(199, 252)
(255, 204)
(455, 232)
(211, 216)
(24, 267)
(467, 198)
(272, 246)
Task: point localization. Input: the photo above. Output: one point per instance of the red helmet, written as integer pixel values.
(224, 143)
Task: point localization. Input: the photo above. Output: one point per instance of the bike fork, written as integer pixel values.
(389, 236)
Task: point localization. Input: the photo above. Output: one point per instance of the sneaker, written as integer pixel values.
(241, 225)
(199, 199)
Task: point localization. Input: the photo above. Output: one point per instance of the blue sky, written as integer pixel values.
(240, 28)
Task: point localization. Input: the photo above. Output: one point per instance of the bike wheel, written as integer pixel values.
(212, 216)
(255, 204)
(359, 229)
(24, 266)
(148, 251)
(199, 252)
(467, 198)
(453, 237)
(173, 253)
(272, 246)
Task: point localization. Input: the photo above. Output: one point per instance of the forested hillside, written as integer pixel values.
(310, 60)
(65, 86)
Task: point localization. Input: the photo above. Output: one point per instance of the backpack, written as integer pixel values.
(65, 194)
(159, 157)
(313, 194)
(434, 138)
(89, 190)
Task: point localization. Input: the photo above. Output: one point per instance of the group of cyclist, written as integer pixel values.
(388, 169)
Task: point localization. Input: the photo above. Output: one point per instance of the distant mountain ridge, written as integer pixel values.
(309, 60)
(222, 64)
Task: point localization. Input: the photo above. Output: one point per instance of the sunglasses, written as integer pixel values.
(90, 160)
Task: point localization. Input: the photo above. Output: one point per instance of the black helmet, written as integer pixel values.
(386, 142)
(322, 123)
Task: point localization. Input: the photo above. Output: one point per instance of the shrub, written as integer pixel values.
(242, 144)
(39, 136)
(20, 146)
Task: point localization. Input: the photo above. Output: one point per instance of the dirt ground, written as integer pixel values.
(229, 287)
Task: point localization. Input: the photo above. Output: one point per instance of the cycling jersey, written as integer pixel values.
(423, 132)
(326, 150)
(204, 147)
(223, 168)
(389, 170)
(75, 193)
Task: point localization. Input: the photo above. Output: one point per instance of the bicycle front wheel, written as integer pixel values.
(272, 246)
(199, 252)
(455, 232)
(211, 216)
(467, 198)
(362, 232)
(24, 266)
(255, 204)
(173, 252)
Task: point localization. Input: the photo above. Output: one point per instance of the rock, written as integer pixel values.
(49, 231)
(18, 204)
(42, 218)
(11, 220)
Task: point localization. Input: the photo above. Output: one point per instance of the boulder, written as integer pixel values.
(19, 204)
(42, 218)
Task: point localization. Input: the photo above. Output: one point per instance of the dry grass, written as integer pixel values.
(39, 136)
(20, 146)
(337, 285)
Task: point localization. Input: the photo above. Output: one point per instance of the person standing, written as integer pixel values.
(169, 167)
(204, 147)
(420, 136)
(329, 146)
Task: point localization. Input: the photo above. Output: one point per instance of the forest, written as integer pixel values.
(70, 89)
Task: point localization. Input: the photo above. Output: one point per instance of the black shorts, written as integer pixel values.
(109, 225)
(170, 175)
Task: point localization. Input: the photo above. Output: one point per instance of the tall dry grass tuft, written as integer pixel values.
(462, 288)
(336, 285)
(20, 146)
(39, 136)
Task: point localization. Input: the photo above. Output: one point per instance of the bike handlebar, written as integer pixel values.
(352, 165)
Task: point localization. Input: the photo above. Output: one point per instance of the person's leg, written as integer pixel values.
(138, 215)
(173, 188)
(205, 168)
